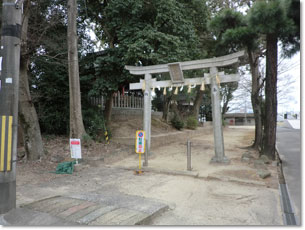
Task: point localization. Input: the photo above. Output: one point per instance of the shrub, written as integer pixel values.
(95, 125)
(86, 140)
(177, 122)
(191, 123)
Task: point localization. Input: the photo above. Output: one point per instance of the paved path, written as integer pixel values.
(289, 147)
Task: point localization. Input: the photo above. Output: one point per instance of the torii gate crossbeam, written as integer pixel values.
(214, 78)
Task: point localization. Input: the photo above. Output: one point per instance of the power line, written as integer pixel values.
(290, 68)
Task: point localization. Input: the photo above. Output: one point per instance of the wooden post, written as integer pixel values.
(119, 99)
(139, 102)
(130, 106)
(217, 120)
(122, 101)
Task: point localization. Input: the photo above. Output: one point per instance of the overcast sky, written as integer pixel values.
(288, 88)
(291, 101)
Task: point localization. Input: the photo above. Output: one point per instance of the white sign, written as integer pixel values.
(75, 146)
(9, 80)
(140, 142)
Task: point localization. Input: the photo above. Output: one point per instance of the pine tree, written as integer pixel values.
(274, 19)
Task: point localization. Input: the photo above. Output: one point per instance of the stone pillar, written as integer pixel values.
(217, 120)
(147, 109)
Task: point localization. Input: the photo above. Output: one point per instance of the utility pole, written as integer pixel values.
(9, 85)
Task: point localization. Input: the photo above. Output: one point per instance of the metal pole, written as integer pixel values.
(9, 87)
(188, 156)
(146, 154)
(139, 161)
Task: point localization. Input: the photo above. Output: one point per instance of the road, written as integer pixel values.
(289, 147)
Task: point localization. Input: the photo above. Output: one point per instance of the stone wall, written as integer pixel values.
(125, 113)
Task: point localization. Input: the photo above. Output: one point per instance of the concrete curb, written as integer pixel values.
(288, 213)
(193, 175)
(149, 218)
(148, 169)
(287, 208)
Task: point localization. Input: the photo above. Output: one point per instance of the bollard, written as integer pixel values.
(145, 154)
(188, 156)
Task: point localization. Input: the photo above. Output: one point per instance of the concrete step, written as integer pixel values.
(106, 208)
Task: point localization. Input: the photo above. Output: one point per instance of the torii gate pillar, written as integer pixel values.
(217, 120)
(147, 113)
(178, 81)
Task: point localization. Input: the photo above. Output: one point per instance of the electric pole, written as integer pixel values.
(9, 86)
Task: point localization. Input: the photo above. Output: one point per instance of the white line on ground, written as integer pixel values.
(295, 123)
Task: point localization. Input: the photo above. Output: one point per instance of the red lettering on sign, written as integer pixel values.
(74, 142)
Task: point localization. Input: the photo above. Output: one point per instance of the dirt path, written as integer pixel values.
(217, 195)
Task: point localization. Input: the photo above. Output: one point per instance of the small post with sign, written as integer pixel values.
(75, 147)
(140, 147)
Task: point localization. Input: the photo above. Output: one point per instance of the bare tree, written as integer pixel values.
(77, 129)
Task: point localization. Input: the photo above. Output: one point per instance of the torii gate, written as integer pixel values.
(175, 69)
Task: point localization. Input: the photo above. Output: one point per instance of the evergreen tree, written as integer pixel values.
(275, 19)
(145, 33)
(233, 32)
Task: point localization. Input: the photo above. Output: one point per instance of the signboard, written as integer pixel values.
(75, 147)
(140, 141)
(176, 73)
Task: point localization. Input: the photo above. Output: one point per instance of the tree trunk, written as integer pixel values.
(271, 97)
(166, 107)
(27, 114)
(20, 141)
(108, 108)
(77, 129)
(256, 105)
(225, 106)
(256, 99)
(197, 102)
